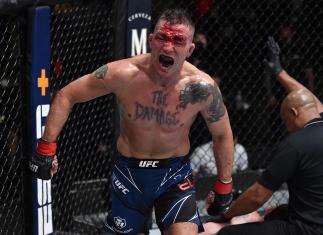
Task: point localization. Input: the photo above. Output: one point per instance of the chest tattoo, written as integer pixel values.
(157, 111)
(194, 93)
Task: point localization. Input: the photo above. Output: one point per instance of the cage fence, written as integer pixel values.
(82, 40)
(11, 174)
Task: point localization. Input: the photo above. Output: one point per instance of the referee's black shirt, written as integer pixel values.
(298, 161)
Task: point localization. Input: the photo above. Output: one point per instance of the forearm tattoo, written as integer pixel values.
(101, 72)
(199, 92)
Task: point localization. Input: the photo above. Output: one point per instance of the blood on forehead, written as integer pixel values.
(172, 30)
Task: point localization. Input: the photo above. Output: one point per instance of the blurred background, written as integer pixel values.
(230, 46)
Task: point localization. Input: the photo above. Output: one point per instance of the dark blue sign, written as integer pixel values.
(138, 26)
(38, 111)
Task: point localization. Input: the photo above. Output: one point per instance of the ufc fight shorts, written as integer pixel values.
(139, 185)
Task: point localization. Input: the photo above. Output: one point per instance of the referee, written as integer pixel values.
(298, 161)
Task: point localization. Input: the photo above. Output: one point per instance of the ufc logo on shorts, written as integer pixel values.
(148, 163)
(120, 186)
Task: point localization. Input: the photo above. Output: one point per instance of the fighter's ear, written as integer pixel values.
(190, 50)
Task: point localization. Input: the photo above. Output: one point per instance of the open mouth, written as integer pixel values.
(166, 61)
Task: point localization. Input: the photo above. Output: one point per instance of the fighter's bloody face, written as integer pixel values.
(173, 35)
(171, 45)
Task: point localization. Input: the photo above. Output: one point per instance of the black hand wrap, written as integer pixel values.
(222, 198)
(273, 62)
(41, 163)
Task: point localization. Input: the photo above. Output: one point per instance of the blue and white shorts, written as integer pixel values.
(139, 185)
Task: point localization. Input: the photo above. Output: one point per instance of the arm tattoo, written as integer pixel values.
(216, 108)
(198, 92)
(101, 72)
(193, 93)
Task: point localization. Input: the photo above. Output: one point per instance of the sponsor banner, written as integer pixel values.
(39, 104)
(138, 26)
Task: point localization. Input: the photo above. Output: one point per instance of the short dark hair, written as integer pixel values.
(177, 16)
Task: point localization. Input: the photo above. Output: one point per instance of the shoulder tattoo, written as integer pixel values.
(199, 92)
(194, 93)
(101, 72)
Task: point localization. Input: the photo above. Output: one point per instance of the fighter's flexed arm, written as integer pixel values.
(102, 81)
(106, 79)
(216, 117)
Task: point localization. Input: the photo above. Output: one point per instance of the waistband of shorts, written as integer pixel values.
(151, 163)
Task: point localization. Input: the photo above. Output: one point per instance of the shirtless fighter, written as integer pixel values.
(159, 95)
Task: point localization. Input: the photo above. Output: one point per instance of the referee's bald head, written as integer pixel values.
(299, 98)
(298, 108)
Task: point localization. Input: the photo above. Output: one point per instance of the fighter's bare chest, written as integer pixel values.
(164, 108)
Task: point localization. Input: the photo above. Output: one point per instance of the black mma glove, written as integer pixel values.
(273, 62)
(221, 218)
(41, 163)
(222, 198)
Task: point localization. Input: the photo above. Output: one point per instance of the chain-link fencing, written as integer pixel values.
(11, 180)
(230, 44)
(82, 40)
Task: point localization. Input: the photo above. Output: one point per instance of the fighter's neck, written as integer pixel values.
(165, 81)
